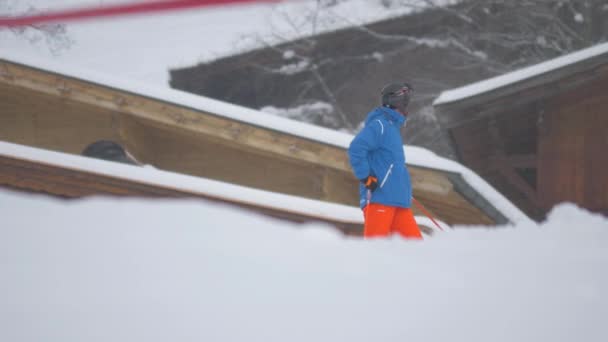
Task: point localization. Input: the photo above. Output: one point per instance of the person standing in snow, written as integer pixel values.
(378, 160)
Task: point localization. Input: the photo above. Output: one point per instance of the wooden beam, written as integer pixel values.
(173, 116)
(71, 183)
(430, 181)
(500, 164)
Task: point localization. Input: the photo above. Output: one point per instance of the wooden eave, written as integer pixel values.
(533, 89)
(59, 181)
(174, 116)
(491, 118)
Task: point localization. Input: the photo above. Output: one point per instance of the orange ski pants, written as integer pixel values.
(383, 221)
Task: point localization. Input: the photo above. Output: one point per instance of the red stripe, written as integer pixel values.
(116, 10)
(421, 207)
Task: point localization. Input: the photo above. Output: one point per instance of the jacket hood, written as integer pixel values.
(387, 113)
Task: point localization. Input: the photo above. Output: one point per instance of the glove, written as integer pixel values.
(370, 182)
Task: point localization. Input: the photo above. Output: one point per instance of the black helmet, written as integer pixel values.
(108, 150)
(396, 95)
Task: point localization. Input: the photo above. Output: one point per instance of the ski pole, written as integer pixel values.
(423, 209)
(369, 199)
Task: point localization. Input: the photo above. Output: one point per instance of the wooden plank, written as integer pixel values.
(502, 166)
(573, 149)
(65, 125)
(500, 162)
(430, 181)
(561, 151)
(473, 144)
(22, 174)
(452, 212)
(171, 115)
(595, 196)
(49, 122)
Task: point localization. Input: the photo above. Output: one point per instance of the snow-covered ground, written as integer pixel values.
(184, 270)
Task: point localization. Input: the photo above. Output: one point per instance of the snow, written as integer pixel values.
(494, 83)
(144, 48)
(310, 112)
(323, 107)
(188, 270)
(293, 68)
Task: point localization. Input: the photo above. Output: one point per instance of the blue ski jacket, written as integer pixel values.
(378, 151)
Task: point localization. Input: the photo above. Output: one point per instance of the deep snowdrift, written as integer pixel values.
(127, 270)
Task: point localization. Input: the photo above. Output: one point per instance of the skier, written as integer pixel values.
(377, 158)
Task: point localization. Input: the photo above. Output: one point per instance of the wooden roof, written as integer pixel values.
(70, 180)
(511, 133)
(521, 87)
(58, 112)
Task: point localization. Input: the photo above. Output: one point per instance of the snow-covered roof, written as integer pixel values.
(416, 156)
(494, 83)
(194, 185)
(141, 270)
(189, 184)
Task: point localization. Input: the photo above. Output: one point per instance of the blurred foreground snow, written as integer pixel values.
(182, 270)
